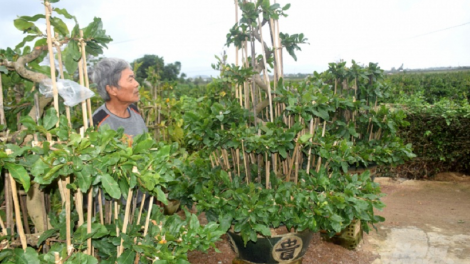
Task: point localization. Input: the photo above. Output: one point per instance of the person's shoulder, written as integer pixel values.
(134, 108)
(100, 115)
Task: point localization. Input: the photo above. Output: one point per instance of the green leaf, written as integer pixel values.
(50, 118)
(29, 256)
(20, 174)
(39, 167)
(110, 186)
(81, 258)
(127, 256)
(28, 122)
(5, 254)
(161, 195)
(26, 39)
(143, 146)
(282, 152)
(59, 26)
(304, 138)
(64, 13)
(3, 69)
(91, 30)
(71, 56)
(84, 180)
(50, 175)
(47, 234)
(33, 18)
(22, 24)
(97, 231)
(264, 230)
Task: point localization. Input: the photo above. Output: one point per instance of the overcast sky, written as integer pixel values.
(417, 33)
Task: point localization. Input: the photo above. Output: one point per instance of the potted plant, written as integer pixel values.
(271, 154)
(370, 124)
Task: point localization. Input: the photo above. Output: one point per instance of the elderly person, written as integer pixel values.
(117, 86)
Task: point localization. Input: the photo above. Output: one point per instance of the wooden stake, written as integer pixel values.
(79, 206)
(148, 216)
(14, 192)
(2, 111)
(140, 210)
(323, 135)
(58, 259)
(24, 214)
(88, 219)
(85, 72)
(268, 180)
(9, 205)
(84, 106)
(61, 71)
(68, 213)
(312, 131)
(126, 219)
(246, 163)
(4, 230)
(100, 204)
(116, 212)
(55, 93)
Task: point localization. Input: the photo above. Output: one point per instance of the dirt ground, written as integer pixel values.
(438, 210)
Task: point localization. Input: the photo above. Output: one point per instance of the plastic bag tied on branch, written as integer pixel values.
(72, 92)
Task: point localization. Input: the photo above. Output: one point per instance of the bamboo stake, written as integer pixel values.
(100, 204)
(14, 192)
(313, 127)
(55, 93)
(84, 106)
(67, 179)
(294, 156)
(61, 71)
(323, 135)
(212, 161)
(126, 219)
(336, 84)
(58, 259)
(2, 111)
(89, 217)
(268, 179)
(280, 64)
(24, 214)
(148, 216)
(9, 205)
(4, 230)
(134, 206)
(116, 211)
(246, 163)
(216, 160)
(247, 94)
(141, 207)
(85, 72)
(79, 197)
(237, 154)
(237, 87)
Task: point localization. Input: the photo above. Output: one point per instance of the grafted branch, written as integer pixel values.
(20, 65)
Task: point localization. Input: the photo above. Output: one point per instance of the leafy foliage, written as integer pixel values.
(438, 110)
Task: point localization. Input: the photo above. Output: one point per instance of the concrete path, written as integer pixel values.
(426, 222)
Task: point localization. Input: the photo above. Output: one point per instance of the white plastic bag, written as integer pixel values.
(72, 92)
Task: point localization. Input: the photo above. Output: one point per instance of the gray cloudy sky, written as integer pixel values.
(417, 33)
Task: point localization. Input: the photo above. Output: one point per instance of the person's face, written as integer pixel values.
(128, 91)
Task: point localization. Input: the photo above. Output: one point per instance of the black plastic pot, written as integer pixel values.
(287, 248)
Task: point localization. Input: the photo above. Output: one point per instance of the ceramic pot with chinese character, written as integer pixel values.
(283, 247)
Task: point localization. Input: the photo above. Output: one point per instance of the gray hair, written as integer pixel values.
(108, 72)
